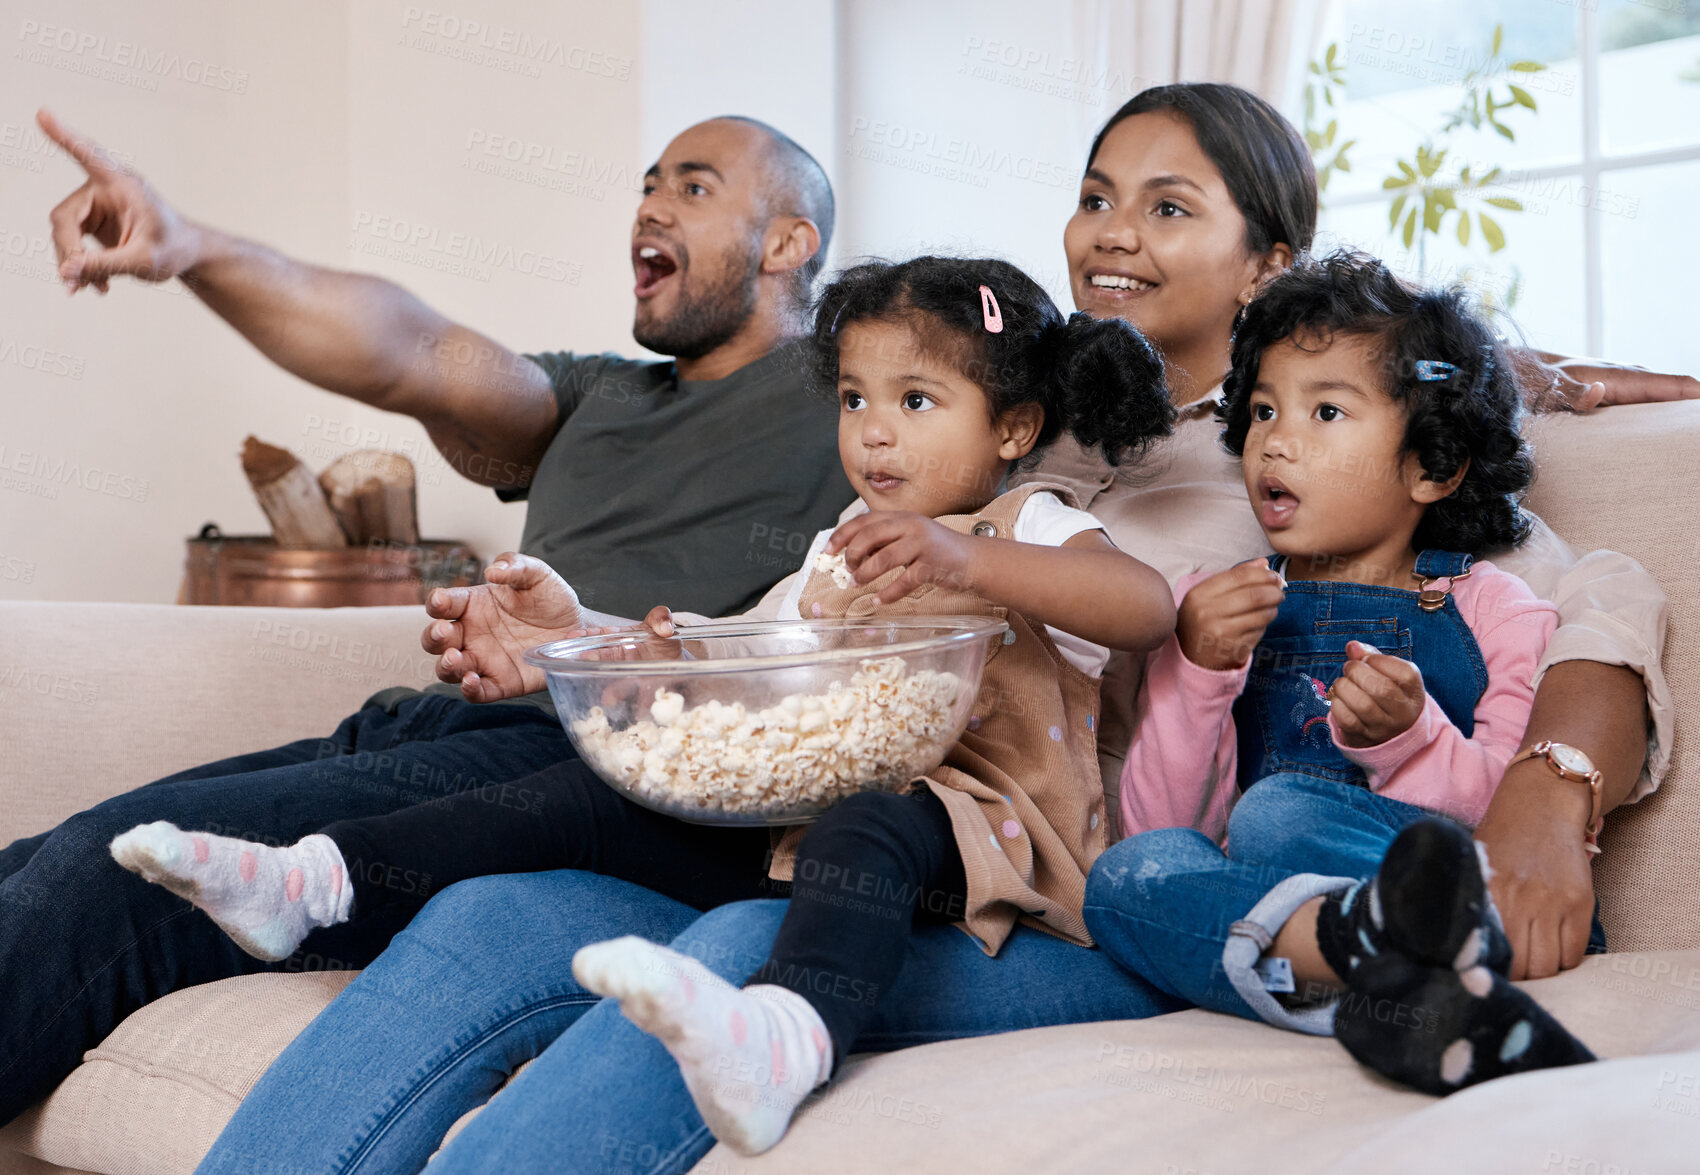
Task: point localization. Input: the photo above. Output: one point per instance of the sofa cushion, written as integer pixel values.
(1080, 1098)
(1199, 1091)
(153, 1097)
(100, 698)
(1608, 480)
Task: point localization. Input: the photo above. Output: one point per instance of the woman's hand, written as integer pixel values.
(929, 551)
(1376, 697)
(1222, 618)
(481, 633)
(1556, 383)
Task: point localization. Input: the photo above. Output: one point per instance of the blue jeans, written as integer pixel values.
(84, 942)
(481, 981)
(1164, 903)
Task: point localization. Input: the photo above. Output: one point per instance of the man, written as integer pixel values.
(644, 482)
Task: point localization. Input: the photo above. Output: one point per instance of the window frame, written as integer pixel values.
(1588, 170)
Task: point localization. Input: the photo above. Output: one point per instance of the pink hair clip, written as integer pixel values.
(989, 307)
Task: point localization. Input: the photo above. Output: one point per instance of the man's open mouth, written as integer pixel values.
(653, 262)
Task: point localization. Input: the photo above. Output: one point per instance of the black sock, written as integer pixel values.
(1438, 1030)
(1427, 902)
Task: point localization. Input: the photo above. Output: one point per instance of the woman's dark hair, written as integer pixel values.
(1097, 379)
(1440, 363)
(1261, 156)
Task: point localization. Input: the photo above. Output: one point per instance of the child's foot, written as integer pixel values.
(265, 899)
(1438, 1030)
(749, 1056)
(1428, 902)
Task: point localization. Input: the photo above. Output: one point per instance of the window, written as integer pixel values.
(1603, 157)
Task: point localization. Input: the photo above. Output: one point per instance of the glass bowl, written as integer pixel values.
(767, 722)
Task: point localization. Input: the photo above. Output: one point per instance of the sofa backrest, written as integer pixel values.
(1623, 478)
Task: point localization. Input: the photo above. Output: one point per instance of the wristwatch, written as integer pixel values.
(1571, 764)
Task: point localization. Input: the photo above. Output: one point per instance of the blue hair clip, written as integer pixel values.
(1433, 371)
(833, 329)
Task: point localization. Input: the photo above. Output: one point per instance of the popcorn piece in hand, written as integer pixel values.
(835, 566)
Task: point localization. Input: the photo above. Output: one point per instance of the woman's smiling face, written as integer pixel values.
(1157, 240)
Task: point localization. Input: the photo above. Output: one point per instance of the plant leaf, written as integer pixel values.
(1503, 129)
(1331, 131)
(1498, 38)
(1527, 66)
(1432, 212)
(1410, 228)
(1393, 183)
(1491, 232)
(1522, 97)
(1398, 207)
(1509, 202)
(1464, 228)
(1333, 51)
(1406, 168)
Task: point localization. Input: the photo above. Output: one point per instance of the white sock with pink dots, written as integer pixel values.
(265, 899)
(749, 1056)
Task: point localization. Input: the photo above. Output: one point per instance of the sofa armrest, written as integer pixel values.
(99, 698)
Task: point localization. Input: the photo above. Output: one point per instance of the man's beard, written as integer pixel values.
(707, 319)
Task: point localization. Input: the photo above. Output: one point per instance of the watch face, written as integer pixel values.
(1571, 759)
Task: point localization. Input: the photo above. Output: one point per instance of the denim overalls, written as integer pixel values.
(1281, 718)
(1175, 908)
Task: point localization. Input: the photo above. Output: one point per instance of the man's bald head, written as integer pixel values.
(733, 226)
(797, 186)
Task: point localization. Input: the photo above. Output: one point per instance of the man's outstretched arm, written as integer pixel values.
(489, 411)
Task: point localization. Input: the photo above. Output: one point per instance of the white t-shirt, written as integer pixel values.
(1044, 521)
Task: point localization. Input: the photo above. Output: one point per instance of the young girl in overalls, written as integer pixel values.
(1317, 710)
(946, 373)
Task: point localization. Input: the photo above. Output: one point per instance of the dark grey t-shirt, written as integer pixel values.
(698, 494)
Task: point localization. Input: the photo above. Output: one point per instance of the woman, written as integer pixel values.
(1193, 195)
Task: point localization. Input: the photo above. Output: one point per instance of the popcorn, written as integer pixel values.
(879, 730)
(835, 566)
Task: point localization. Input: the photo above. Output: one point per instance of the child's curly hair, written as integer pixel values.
(1471, 413)
(1098, 380)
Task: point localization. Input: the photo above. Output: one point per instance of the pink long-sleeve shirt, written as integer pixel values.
(1180, 769)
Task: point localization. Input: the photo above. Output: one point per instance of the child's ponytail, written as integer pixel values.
(1106, 386)
(1097, 380)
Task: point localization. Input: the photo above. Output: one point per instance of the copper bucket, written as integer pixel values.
(253, 570)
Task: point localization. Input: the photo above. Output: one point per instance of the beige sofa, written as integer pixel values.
(97, 698)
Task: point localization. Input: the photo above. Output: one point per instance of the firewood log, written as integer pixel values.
(372, 494)
(291, 497)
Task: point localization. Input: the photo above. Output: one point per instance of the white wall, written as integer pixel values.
(343, 125)
(323, 117)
